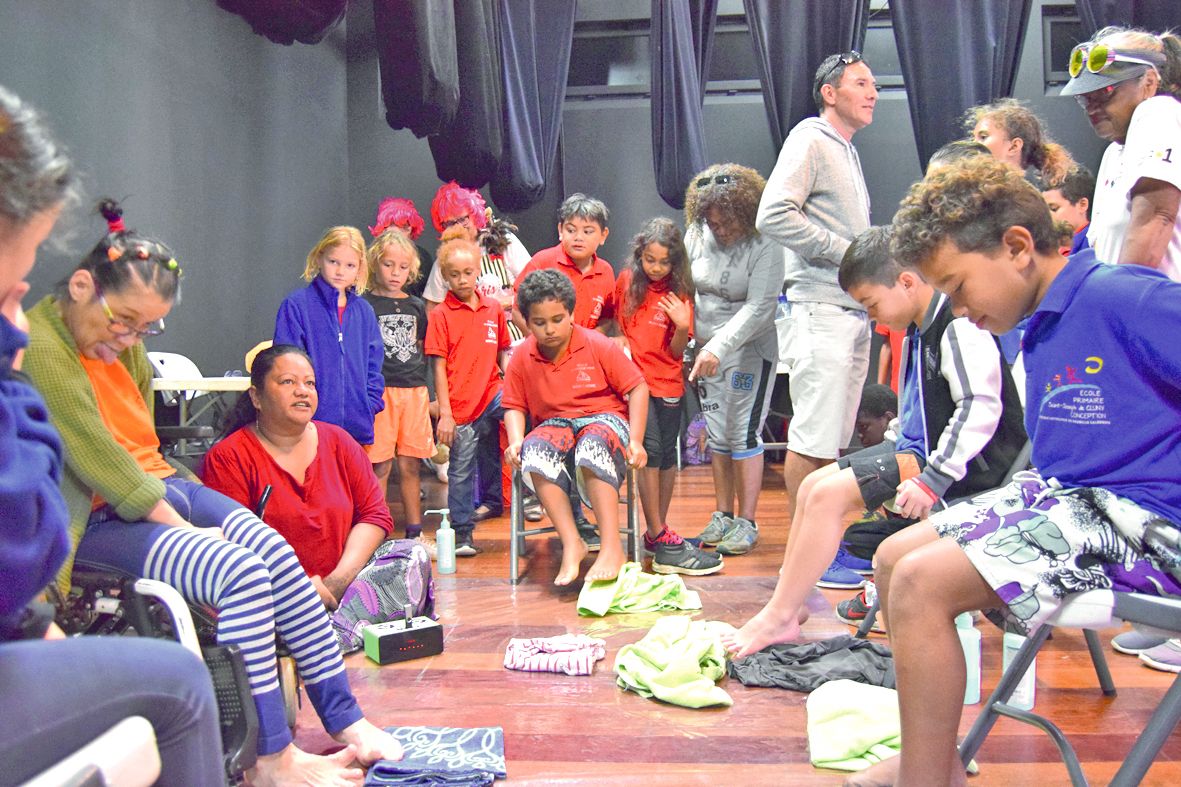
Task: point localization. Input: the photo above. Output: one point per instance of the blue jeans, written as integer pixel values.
(57, 696)
(476, 443)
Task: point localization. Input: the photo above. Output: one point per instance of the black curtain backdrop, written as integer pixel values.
(535, 41)
(285, 22)
(681, 43)
(791, 38)
(415, 42)
(468, 150)
(1156, 16)
(955, 55)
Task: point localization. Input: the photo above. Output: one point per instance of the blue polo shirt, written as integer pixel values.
(1103, 384)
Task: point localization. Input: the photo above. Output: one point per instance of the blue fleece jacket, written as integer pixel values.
(346, 354)
(33, 516)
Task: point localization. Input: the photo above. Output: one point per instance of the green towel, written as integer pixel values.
(635, 591)
(852, 725)
(678, 661)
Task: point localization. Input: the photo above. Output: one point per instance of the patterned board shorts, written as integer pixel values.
(1036, 543)
(556, 447)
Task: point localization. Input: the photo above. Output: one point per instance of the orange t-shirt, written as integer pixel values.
(125, 414)
(649, 333)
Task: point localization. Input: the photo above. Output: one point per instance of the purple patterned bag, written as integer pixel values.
(399, 573)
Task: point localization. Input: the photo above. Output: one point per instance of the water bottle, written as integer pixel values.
(783, 308)
(1022, 698)
(970, 642)
(444, 542)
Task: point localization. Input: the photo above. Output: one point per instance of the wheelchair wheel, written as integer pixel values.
(289, 685)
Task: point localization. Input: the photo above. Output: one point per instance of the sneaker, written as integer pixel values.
(683, 558)
(854, 610)
(850, 561)
(1165, 657)
(716, 529)
(427, 543)
(589, 534)
(465, 546)
(532, 509)
(837, 576)
(1133, 642)
(740, 537)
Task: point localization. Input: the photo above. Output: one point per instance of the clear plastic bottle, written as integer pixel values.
(1023, 695)
(444, 542)
(970, 642)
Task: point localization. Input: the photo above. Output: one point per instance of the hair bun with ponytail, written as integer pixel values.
(112, 211)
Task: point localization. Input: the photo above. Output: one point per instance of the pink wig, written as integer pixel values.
(397, 211)
(452, 200)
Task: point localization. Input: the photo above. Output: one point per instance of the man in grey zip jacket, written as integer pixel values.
(815, 203)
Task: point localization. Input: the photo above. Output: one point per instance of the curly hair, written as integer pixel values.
(495, 237)
(1167, 44)
(455, 240)
(1051, 160)
(971, 203)
(397, 212)
(391, 238)
(731, 188)
(453, 199)
(545, 285)
(333, 237)
(667, 234)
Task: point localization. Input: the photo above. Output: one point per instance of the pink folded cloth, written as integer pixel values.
(573, 654)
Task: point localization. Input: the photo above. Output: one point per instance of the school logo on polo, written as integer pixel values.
(1074, 396)
(583, 379)
(491, 326)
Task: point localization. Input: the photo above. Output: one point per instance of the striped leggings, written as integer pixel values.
(254, 581)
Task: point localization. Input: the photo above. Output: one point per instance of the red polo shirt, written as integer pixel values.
(649, 334)
(594, 291)
(469, 339)
(590, 378)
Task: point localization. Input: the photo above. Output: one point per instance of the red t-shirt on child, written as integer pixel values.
(316, 515)
(469, 339)
(590, 378)
(649, 332)
(594, 291)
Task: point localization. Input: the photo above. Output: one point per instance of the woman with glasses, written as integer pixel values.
(133, 511)
(1129, 84)
(738, 275)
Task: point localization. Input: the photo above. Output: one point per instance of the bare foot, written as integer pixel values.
(572, 556)
(607, 565)
(372, 744)
(882, 774)
(766, 628)
(293, 767)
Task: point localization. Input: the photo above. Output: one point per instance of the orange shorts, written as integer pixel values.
(403, 428)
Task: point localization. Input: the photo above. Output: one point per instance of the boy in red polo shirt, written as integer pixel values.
(572, 381)
(467, 338)
(582, 228)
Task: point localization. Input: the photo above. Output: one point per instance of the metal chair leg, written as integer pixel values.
(1100, 662)
(516, 518)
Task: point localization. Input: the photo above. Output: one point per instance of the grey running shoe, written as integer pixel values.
(1134, 642)
(740, 538)
(716, 529)
(683, 558)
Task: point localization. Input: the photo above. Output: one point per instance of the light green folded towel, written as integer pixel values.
(678, 661)
(852, 725)
(635, 591)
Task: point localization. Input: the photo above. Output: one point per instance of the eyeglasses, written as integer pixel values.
(847, 59)
(464, 220)
(1098, 57)
(721, 180)
(1100, 97)
(120, 328)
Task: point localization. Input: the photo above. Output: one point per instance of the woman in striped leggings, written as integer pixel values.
(133, 511)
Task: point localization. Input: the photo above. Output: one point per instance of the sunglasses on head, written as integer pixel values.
(847, 59)
(721, 180)
(1098, 57)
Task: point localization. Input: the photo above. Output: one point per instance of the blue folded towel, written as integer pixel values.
(444, 756)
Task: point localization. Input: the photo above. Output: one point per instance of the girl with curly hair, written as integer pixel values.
(738, 275)
(1014, 134)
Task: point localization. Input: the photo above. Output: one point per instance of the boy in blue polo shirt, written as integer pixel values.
(1103, 410)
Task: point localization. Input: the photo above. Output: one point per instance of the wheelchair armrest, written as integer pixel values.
(125, 754)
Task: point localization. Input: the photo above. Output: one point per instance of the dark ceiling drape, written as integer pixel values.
(285, 21)
(791, 38)
(1154, 15)
(416, 58)
(955, 55)
(681, 44)
(468, 150)
(535, 41)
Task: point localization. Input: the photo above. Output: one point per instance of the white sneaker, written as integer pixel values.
(427, 543)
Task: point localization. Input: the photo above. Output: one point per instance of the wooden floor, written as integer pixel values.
(584, 730)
